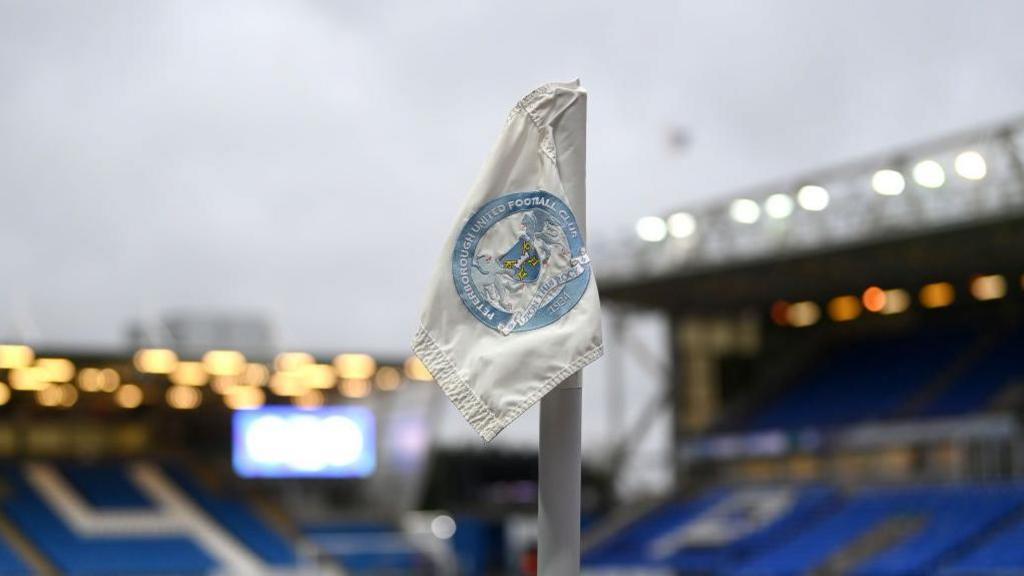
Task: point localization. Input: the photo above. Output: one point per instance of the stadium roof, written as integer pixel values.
(944, 210)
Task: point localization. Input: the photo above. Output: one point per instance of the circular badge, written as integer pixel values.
(520, 262)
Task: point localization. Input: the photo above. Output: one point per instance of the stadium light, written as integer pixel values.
(286, 384)
(49, 396)
(651, 229)
(990, 287)
(189, 374)
(292, 360)
(360, 366)
(888, 182)
(183, 397)
(897, 300)
(109, 379)
(443, 527)
(5, 394)
(155, 360)
(319, 376)
(245, 398)
(937, 295)
(224, 362)
(778, 312)
(970, 165)
(89, 380)
(744, 211)
(388, 378)
(778, 206)
(681, 225)
(68, 395)
(873, 299)
(16, 356)
(256, 374)
(354, 388)
(844, 308)
(929, 174)
(128, 396)
(225, 384)
(56, 369)
(31, 378)
(309, 399)
(813, 198)
(802, 314)
(415, 370)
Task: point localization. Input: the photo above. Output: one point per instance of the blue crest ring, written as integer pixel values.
(464, 255)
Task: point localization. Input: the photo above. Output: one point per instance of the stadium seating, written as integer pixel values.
(946, 522)
(1001, 553)
(10, 563)
(974, 389)
(710, 515)
(235, 515)
(108, 489)
(366, 548)
(76, 555)
(865, 380)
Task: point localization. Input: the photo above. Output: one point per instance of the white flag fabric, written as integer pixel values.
(513, 308)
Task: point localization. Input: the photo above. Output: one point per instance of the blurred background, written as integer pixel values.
(807, 222)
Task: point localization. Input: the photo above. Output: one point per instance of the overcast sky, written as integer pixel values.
(305, 159)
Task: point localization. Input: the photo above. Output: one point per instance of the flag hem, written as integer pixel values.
(484, 420)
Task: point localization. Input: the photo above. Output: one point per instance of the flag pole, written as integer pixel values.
(558, 519)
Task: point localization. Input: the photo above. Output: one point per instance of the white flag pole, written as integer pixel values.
(558, 523)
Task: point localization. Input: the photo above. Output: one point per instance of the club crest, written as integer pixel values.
(520, 262)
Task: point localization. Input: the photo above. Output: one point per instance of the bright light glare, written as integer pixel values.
(682, 225)
(355, 366)
(443, 527)
(813, 198)
(744, 211)
(128, 396)
(415, 370)
(16, 356)
(651, 229)
(888, 182)
(283, 442)
(990, 287)
(801, 314)
(937, 295)
(155, 360)
(929, 174)
(971, 165)
(778, 206)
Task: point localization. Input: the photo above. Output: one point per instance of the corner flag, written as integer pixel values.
(513, 308)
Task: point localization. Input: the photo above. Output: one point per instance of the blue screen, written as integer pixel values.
(286, 442)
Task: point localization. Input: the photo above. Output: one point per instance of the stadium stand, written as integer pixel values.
(76, 555)
(870, 379)
(976, 387)
(1001, 553)
(713, 532)
(10, 563)
(364, 548)
(235, 515)
(886, 531)
(136, 544)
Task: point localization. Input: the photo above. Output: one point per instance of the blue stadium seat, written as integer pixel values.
(105, 486)
(974, 389)
(235, 515)
(865, 380)
(10, 563)
(950, 516)
(366, 548)
(631, 547)
(1002, 553)
(80, 556)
